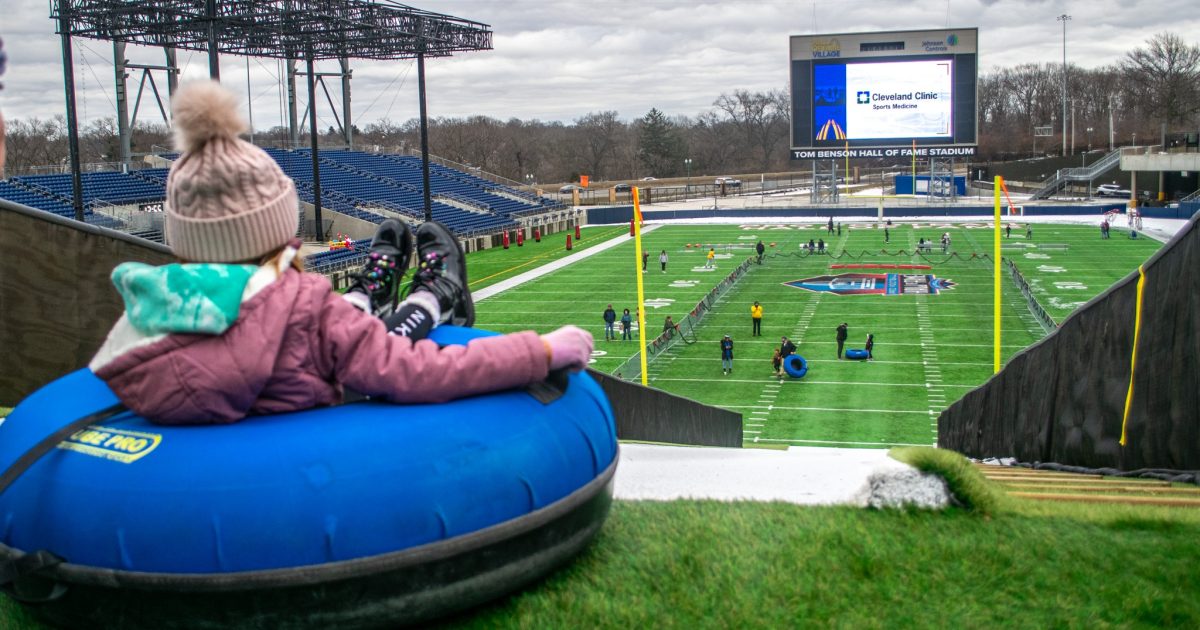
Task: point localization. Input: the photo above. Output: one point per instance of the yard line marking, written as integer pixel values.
(838, 409)
(837, 443)
(806, 381)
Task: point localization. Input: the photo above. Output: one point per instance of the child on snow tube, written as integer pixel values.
(238, 329)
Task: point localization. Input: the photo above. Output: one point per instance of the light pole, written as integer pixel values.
(1063, 18)
(688, 163)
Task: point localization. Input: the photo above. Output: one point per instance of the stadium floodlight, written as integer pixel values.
(311, 30)
(1064, 18)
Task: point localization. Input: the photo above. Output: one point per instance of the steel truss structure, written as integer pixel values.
(282, 29)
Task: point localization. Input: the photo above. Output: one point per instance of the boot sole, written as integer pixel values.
(464, 309)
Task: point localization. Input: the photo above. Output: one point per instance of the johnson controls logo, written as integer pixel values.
(940, 46)
(826, 48)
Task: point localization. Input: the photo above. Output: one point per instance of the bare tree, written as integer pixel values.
(596, 141)
(761, 117)
(712, 144)
(35, 142)
(1167, 74)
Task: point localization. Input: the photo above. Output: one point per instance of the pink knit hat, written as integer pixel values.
(227, 200)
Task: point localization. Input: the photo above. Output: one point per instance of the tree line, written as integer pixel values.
(1150, 91)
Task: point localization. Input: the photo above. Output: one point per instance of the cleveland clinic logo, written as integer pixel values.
(864, 98)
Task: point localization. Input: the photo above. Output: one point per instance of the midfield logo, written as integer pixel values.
(874, 284)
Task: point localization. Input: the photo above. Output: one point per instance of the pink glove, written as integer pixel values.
(570, 346)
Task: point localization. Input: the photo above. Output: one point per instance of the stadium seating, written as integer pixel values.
(361, 185)
(42, 199)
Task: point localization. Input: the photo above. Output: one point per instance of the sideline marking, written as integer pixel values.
(833, 442)
(532, 260)
(923, 413)
(849, 384)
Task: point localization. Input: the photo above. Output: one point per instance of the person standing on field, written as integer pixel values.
(712, 253)
(870, 347)
(887, 237)
(645, 259)
(843, 332)
(727, 355)
(662, 260)
(626, 325)
(760, 249)
(610, 319)
(756, 319)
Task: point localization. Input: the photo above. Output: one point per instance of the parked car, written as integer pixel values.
(623, 187)
(729, 182)
(649, 179)
(569, 188)
(1111, 190)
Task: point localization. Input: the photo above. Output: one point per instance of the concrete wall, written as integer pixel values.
(56, 301)
(624, 214)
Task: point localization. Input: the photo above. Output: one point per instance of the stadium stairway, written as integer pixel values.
(1044, 485)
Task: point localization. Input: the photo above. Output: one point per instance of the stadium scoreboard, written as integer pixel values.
(882, 94)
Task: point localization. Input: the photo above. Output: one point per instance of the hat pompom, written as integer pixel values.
(204, 110)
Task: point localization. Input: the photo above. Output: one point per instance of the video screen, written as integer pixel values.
(882, 100)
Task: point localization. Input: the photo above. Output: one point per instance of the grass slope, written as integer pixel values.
(720, 565)
(723, 565)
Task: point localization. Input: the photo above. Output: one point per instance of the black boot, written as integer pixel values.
(386, 263)
(442, 270)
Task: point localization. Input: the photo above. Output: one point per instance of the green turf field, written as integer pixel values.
(929, 349)
(489, 266)
(1068, 265)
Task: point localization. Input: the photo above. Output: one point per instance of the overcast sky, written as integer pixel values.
(558, 60)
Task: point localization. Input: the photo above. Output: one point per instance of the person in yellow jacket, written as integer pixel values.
(712, 253)
(756, 318)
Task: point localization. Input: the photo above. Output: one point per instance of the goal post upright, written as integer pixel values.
(997, 185)
(641, 294)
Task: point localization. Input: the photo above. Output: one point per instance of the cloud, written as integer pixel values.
(558, 60)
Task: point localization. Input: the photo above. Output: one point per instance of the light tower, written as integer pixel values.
(1063, 18)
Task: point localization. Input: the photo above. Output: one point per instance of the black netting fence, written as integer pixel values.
(926, 254)
(1035, 307)
(685, 330)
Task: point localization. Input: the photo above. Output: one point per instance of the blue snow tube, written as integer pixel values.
(856, 354)
(795, 366)
(333, 517)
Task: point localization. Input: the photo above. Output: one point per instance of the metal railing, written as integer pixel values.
(1081, 173)
(470, 205)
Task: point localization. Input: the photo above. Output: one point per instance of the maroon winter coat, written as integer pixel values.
(294, 345)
